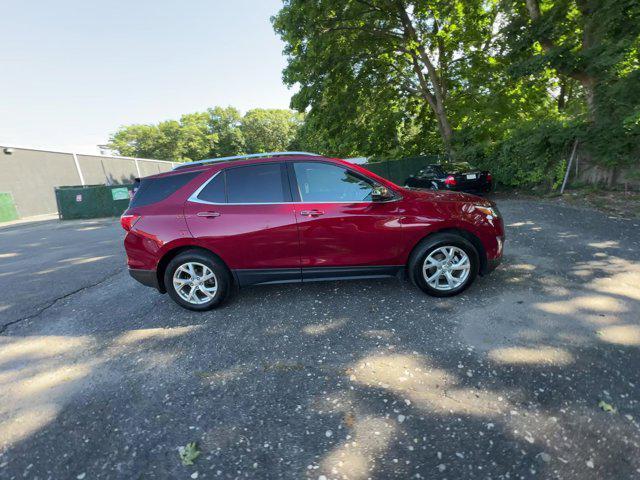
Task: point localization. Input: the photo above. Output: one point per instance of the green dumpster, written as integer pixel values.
(92, 201)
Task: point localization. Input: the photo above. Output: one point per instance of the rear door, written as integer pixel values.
(246, 216)
(340, 226)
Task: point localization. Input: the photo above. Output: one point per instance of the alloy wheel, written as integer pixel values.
(195, 283)
(446, 268)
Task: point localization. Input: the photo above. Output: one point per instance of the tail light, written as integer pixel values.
(488, 177)
(450, 180)
(128, 221)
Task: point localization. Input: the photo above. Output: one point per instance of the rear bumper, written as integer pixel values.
(474, 188)
(148, 278)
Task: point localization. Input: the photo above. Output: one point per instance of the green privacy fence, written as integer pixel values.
(7, 207)
(399, 170)
(92, 201)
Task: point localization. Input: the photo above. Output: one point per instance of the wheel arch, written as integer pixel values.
(467, 235)
(174, 252)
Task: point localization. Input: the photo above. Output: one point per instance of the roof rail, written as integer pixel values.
(242, 157)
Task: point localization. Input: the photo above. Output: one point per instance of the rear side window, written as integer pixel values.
(153, 190)
(264, 183)
(214, 191)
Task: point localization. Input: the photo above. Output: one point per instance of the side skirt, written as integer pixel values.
(318, 274)
(246, 277)
(267, 276)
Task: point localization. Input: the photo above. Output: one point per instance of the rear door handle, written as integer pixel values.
(208, 214)
(311, 213)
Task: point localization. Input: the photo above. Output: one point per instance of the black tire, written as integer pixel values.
(428, 245)
(220, 270)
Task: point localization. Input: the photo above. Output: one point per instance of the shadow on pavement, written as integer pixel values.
(352, 380)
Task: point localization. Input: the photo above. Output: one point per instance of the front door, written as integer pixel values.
(340, 226)
(245, 215)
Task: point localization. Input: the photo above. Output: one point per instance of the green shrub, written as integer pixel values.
(532, 154)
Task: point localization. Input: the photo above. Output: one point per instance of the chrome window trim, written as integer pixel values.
(193, 198)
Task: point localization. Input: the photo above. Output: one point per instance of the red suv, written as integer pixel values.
(198, 230)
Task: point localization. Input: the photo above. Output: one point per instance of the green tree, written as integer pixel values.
(224, 123)
(136, 141)
(217, 132)
(268, 130)
(409, 52)
(594, 47)
(195, 140)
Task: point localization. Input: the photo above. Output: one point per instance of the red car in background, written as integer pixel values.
(290, 217)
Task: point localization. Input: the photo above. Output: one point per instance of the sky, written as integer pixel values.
(72, 72)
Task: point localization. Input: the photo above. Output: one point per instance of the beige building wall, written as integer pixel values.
(31, 175)
(104, 170)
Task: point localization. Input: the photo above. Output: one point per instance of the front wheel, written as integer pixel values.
(197, 281)
(444, 265)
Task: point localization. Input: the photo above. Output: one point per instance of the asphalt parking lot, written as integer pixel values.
(103, 378)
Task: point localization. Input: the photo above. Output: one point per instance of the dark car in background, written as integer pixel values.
(456, 176)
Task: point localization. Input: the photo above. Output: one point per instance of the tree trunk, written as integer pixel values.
(437, 107)
(589, 85)
(587, 81)
(561, 96)
(434, 94)
(445, 130)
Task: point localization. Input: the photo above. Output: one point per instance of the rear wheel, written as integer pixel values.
(444, 265)
(197, 280)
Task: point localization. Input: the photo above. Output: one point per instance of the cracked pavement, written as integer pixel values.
(103, 378)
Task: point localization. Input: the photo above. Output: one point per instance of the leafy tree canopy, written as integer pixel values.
(266, 130)
(217, 132)
(479, 79)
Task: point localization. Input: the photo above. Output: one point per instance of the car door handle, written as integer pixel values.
(311, 213)
(208, 214)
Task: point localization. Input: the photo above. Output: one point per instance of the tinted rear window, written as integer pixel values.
(257, 184)
(153, 190)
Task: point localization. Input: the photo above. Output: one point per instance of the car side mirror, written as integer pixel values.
(381, 194)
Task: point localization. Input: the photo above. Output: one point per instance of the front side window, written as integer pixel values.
(322, 182)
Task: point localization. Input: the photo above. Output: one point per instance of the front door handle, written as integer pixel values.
(208, 214)
(311, 213)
